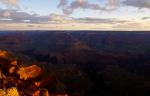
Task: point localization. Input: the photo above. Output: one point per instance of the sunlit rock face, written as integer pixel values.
(9, 92)
(29, 72)
(12, 65)
(18, 79)
(8, 62)
(14, 75)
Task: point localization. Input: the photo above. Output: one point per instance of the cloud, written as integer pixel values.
(83, 4)
(57, 18)
(6, 14)
(10, 3)
(113, 2)
(132, 25)
(67, 7)
(145, 18)
(62, 3)
(133, 3)
(15, 16)
(99, 20)
(138, 3)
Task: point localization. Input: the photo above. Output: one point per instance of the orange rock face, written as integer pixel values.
(29, 72)
(10, 68)
(3, 54)
(6, 55)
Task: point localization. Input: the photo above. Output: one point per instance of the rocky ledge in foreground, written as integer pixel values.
(16, 79)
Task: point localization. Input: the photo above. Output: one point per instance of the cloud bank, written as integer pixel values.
(138, 3)
(10, 3)
(14, 16)
(68, 8)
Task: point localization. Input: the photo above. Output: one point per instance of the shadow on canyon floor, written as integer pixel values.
(86, 63)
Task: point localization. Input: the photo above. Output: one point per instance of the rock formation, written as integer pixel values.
(16, 79)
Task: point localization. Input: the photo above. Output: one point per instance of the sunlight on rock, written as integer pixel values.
(9, 92)
(14, 62)
(29, 72)
(11, 70)
(3, 54)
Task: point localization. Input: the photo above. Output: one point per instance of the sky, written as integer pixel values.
(75, 15)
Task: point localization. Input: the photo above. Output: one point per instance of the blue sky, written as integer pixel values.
(108, 13)
(46, 7)
(42, 7)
